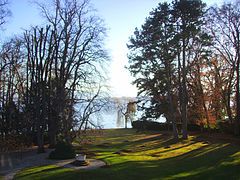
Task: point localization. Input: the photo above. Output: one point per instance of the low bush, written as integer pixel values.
(157, 126)
(193, 127)
(63, 151)
(13, 142)
(150, 125)
(226, 127)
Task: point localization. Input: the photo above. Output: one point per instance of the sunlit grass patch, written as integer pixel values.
(180, 150)
(167, 150)
(211, 148)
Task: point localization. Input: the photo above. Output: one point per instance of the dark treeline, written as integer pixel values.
(47, 70)
(185, 60)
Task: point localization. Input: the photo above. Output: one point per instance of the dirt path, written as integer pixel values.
(11, 163)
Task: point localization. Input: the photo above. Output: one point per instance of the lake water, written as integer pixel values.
(109, 120)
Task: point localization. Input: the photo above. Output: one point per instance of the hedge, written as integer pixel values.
(157, 126)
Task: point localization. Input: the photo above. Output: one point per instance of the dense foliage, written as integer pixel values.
(185, 61)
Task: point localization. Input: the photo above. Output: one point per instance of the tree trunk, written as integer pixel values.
(184, 94)
(180, 95)
(236, 124)
(203, 99)
(38, 118)
(171, 115)
(40, 140)
(171, 108)
(52, 133)
(126, 120)
(227, 100)
(228, 106)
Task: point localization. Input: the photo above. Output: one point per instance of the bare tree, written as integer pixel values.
(224, 23)
(39, 50)
(126, 109)
(90, 105)
(11, 88)
(43, 76)
(4, 11)
(78, 53)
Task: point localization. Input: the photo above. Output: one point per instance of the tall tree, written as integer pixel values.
(78, 53)
(50, 69)
(224, 23)
(39, 50)
(173, 34)
(151, 58)
(10, 84)
(4, 11)
(189, 17)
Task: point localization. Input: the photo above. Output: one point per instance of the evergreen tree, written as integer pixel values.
(169, 35)
(151, 61)
(189, 18)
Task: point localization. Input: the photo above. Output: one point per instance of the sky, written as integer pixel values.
(121, 18)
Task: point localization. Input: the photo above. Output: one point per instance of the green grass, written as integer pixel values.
(151, 156)
(1, 177)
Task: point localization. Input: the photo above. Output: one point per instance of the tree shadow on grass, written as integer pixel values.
(207, 162)
(45, 170)
(180, 147)
(196, 164)
(69, 174)
(158, 137)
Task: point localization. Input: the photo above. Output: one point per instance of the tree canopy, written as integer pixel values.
(177, 58)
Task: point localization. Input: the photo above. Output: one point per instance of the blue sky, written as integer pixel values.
(121, 18)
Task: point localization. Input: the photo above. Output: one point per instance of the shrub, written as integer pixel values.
(226, 127)
(156, 126)
(149, 125)
(193, 127)
(63, 151)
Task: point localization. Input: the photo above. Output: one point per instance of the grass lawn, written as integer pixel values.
(151, 156)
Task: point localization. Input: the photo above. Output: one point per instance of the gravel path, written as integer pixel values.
(11, 163)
